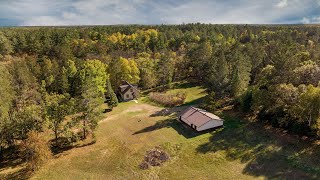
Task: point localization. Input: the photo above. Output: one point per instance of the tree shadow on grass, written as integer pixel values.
(174, 111)
(181, 128)
(184, 85)
(264, 153)
(11, 159)
(64, 144)
(194, 102)
(23, 173)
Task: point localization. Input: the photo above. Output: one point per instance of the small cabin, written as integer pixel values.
(128, 91)
(200, 120)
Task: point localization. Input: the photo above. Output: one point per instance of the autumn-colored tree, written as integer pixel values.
(35, 149)
(307, 73)
(147, 70)
(308, 108)
(123, 69)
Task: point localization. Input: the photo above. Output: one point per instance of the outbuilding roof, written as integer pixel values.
(198, 116)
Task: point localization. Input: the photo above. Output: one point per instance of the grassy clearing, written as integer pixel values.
(241, 150)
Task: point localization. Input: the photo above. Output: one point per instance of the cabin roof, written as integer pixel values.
(126, 87)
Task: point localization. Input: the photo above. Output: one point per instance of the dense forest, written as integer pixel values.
(55, 79)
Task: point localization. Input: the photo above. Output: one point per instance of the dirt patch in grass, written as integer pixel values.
(154, 157)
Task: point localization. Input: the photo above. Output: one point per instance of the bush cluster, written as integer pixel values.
(170, 100)
(35, 149)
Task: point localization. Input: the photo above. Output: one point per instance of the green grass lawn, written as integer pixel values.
(240, 150)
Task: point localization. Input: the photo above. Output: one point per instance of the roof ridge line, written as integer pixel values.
(193, 112)
(206, 114)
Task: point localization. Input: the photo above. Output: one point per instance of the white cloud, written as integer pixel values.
(93, 12)
(83, 12)
(305, 20)
(282, 4)
(43, 21)
(311, 20)
(239, 12)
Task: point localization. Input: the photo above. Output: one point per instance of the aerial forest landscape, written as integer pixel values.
(160, 90)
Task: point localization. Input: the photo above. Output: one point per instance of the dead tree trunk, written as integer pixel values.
(84, 129)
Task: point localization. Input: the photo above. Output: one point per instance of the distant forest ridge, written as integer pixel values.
(157, 25)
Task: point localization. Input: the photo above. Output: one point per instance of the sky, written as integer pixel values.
(110, 12)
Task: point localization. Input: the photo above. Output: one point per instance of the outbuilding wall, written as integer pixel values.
(211, 124)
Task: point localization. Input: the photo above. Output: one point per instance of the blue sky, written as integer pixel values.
(105, 12)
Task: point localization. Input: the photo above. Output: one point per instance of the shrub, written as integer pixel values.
(35, 150)
(170, 100)
(210, 102)
(246, 101)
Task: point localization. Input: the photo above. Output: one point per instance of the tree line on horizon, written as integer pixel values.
(56, 78)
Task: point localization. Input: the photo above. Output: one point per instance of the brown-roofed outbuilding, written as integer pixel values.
(200, 119)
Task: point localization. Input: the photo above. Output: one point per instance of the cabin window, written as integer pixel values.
(131, 90)
(127, 95)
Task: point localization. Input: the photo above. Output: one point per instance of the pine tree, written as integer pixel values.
(241, 75)
(71, 70)
(7, 96)
(113, 102)
(165, 68)
(199, 58)
(6, 91)
(48, 73)
(64, 85)
(5, 45)
(218, 77)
